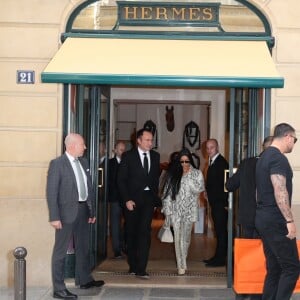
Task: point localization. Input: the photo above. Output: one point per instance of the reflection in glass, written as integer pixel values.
(234, 17)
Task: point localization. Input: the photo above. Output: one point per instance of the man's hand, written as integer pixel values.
(291, 227)
(92, 220)
(56, 224)
(130, 205)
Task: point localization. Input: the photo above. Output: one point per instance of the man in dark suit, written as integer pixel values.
(217, 198)
(71, 211)
(114, 198)
(244, 180)
(138, 183)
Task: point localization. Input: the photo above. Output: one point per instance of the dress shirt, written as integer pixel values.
(141, 153)
(71, 159)
(213, 159)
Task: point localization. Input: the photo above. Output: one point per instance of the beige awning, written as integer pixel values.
(129, 61)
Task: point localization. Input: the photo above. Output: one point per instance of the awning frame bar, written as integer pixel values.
(170, 36)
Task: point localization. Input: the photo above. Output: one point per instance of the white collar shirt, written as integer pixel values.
(72, 161)
(141, 153)
(213, 158)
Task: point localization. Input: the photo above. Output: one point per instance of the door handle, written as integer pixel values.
(100, 176)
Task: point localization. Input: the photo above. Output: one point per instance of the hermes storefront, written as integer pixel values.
(219, 53)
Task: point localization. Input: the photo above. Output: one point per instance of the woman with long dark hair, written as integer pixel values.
(180, 200)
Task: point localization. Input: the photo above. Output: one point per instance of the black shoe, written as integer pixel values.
(64, 294)
(93, 283)
(132, 271)
(142, 275)
(118, 256)
(216, 264)
(208, 261)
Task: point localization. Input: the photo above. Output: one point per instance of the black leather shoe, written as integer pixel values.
(142, 275)
(215, 264)
(208, 261)
(64, 294)
(131, 272)
(93, 283)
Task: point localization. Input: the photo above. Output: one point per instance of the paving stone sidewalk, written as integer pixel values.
(132, 293)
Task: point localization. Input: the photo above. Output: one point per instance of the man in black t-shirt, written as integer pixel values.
(274, 218)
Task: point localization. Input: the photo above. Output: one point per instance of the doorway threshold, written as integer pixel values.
(162, 273)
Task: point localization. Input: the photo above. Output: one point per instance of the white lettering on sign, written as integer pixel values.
(25, 77)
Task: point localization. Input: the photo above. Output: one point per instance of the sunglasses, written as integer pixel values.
(295, 139)
(184, 161)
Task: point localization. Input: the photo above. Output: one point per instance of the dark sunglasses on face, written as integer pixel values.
(184, 161)
(295, 139)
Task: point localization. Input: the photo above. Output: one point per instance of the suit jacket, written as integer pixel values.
(113, 190)
(62, 192)
(215, 181)
(244, 179)
(132, 179)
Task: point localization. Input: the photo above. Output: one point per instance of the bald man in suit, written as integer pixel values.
(218, 201)
(71, 211)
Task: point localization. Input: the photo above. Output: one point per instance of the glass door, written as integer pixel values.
(249, 124)
(87, 113)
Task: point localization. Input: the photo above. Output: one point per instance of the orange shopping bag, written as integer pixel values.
(250, 266)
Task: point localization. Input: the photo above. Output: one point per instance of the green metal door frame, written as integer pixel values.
(253, 146)
(88, 105)
(230, 198)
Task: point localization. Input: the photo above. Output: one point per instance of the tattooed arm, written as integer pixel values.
(282, 200)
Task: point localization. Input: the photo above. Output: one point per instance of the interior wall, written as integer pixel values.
(187, 107)
(134, 116)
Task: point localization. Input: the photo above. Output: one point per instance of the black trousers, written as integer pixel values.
(282, 258)
(80, 230)
(116, 228)
(248, 231)
(138, 232)
(220, 217)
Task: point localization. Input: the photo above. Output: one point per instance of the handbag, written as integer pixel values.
(165, 234)
(250, 266)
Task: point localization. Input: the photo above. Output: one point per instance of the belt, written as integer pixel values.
(81, 202)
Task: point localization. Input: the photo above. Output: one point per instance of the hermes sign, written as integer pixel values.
(132, 13)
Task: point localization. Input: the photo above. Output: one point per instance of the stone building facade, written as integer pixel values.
(31, 118)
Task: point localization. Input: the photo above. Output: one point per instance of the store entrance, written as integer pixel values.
(92, 112)
(132, 108)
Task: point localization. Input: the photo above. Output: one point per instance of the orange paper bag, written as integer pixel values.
(250, 266)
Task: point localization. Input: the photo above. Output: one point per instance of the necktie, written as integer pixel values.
(210, 162)
(82, 188)
(146, 163)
